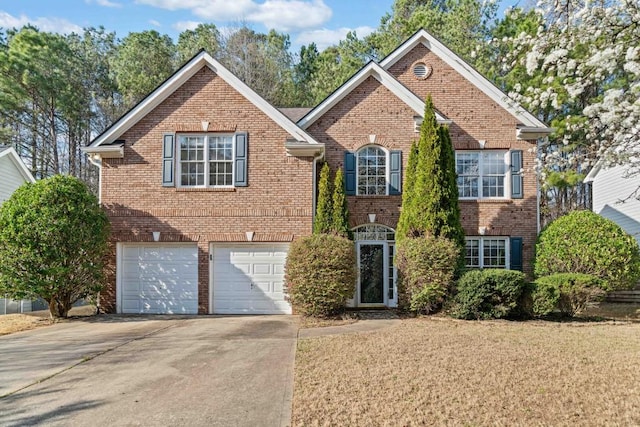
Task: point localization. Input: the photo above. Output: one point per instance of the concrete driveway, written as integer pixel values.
(117, 370)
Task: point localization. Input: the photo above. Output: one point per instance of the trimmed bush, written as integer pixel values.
(53, 241)
(320, 274)
(426, 267)
(570, 293)
(489, 294)
(584, 242)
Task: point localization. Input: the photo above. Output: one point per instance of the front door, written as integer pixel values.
(373, 270)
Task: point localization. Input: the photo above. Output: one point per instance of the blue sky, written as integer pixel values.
(321, 21)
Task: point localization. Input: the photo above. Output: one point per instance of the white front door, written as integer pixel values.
(249, 278)
(157, 278)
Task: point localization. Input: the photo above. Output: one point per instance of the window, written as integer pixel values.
(481, 174)
(205, 160)
(486, 252)
(373, 232)
(372, 171)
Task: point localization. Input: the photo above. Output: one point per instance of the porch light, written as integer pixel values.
(156, 236)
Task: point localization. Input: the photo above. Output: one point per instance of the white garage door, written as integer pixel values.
(249, 279)
(158, 278)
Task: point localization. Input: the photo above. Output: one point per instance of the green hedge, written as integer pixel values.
(570, 293)
(426, 267)
(320, 274)
(490, 294)
(584, 242)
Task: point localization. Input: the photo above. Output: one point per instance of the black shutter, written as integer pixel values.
(515, 253)
(395, 173)
(350, 173)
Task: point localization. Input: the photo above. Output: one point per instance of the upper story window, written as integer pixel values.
(482, 174)
(372, 171)
(205, 160)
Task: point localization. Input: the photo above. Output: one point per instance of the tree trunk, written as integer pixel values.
(59, 307)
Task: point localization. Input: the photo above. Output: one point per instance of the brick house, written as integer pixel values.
(206, 184)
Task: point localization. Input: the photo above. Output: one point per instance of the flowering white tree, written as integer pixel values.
(579, 70)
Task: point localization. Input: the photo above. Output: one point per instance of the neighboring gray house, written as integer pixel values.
(612, 197)
(13, 173)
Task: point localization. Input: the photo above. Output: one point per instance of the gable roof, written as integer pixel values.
(175, 81)
(12, 154)
(372, 69)
(531, 123)
(295, 113)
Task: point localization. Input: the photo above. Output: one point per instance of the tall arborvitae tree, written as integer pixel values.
(452, 227)
(402, 229)
(340, 214)
(431, 195)
(322, 223)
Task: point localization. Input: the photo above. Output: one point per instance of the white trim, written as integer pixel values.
(119, 277)
(385, 275)
(374, 70)
(18, 163)
(468, 72)
(177, 173)
(507, 173)
(481, 239)
(106, 152)
(387, 170)
(177, 80)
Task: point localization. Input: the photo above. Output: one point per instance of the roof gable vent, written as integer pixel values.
(421, 70)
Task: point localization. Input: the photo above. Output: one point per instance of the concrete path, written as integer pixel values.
(226, 371)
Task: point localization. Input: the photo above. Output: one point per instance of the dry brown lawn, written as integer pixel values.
(10, 323)
(439, 371)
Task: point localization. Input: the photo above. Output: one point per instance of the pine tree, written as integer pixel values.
(430, 197)
(340, 213)
(322, 223)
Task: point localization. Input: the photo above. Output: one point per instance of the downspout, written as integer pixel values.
(538, 187)
(96, 160)
(319, 156)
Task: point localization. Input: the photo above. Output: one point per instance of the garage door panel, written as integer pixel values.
(236, 268)
(159, 279)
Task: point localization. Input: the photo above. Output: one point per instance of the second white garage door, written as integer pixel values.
(249, 279)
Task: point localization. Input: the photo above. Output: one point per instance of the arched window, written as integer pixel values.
(373, 232)
(372, 171)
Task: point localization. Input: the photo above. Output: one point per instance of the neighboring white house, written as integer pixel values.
(611, 197)
(13, 173)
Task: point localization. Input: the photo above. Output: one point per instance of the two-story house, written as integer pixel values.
(206, 184)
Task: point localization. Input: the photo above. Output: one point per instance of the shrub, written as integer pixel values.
(53, 239)
(571, 293)
(426, 267)
(584, 242)
(489, 294)
(320, 274)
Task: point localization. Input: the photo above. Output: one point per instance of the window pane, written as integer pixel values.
(372, 171)
(472, 253)
(494, 253)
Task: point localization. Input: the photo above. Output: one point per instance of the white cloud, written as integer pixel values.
(154, 23)
(52, 24)
(325, 38)
(282, 15)
(105, 3)
(186, 25)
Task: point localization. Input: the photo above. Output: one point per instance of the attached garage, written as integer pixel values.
(248, 279)
(157, 278)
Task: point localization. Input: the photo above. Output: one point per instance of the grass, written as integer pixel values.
(313, 322)
(11, 323)
(440, 371)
